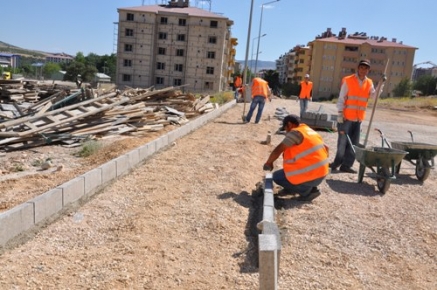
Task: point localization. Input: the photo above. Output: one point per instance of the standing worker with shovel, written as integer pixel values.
(352, 103)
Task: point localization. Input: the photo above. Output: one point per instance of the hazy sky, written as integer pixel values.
(88, 25)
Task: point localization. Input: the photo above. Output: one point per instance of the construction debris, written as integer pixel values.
(34, 116)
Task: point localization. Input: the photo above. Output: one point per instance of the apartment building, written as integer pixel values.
(332, 57)
(174, 45)
(58, 57)
(294, 65)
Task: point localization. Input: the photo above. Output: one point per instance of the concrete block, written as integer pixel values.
(161, 142)
(134, 158)
(147, 150)
(268, 197)
(109, 171)
(122, 164)
(47, 204)
(73, 190)
(268, 262)
(15, 221)
(93, 180)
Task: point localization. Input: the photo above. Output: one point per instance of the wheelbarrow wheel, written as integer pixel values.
(422, 169)
(383, 181)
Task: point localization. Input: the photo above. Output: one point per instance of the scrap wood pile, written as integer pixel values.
(69, 116)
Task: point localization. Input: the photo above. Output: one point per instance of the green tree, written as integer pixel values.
(403, 88)
(426, 84)
(74, 69)
(290, 89)
(49, 69)
(272, 77)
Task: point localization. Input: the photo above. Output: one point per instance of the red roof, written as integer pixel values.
(357, 41)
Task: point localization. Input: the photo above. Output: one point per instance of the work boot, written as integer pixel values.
(314, 193)
(347, 169)
(332, 166)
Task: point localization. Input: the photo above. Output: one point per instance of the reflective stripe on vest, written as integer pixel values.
(357, 97)
(308, 160)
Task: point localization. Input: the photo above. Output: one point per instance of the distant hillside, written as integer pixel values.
(9, 48)
(262, 64)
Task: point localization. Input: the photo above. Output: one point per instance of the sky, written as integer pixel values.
(87, 26)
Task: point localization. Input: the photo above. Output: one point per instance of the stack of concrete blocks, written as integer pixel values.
(269, 241)
(320, 120)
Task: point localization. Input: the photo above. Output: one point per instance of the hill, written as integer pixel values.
(9, 48)
(262, 64)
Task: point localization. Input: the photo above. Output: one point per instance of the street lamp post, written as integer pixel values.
(259, 33)
(251, 62)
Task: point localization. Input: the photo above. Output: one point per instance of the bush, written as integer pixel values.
(89, 148)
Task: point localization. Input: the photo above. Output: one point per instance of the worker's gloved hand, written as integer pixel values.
(340, 118)
(267, 167)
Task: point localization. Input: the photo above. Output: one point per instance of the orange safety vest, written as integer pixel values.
(308, 160)
(238, 81)
(305, 90)
(356, 99)
(260, 88)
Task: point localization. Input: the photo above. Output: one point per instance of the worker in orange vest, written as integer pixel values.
(237, 84)
(356, 89)
(305, 94)
(260, 93)
(305, 160)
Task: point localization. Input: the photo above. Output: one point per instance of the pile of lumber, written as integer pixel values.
(69, 116)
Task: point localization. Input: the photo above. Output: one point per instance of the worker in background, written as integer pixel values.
(260, 93)
(305, 160)
(237, 84)
(356, 89)
(305, 94)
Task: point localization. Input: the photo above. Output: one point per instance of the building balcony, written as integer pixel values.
(348, 53)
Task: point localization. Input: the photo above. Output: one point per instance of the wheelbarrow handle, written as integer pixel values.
(350, 143)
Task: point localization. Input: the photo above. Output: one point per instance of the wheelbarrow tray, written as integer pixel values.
(379, 156)
(416, 150)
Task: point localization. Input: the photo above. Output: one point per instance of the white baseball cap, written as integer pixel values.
(307, 76)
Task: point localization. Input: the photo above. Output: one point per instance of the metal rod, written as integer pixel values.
(378, 91)
(245, 60)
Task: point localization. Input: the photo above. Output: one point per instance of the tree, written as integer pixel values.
(290, 89)
(426, 84)
(272, 77)
(49, 69)
(402, 89)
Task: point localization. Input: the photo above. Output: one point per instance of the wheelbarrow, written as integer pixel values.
(419, 154)
(381, 160)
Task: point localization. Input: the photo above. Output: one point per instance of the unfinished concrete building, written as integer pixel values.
(174, 45)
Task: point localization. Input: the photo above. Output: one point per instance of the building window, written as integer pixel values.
(212, 39)
(159, 80)
(210, 54)
(128, 47)
(209, 70)
(127, 62)
(179, 52)
(160, 65)
(162, 35)
(177, 82)
(209, 85)
(178, 67)
(182, 22)
(213, 24)
(126, 78)
(129, 32)
(130, 17)
(181, 37)
(161, 50)
(164, 20)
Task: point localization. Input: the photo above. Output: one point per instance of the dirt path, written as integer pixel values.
(183, 220)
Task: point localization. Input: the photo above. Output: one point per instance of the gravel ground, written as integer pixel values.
(184, 219)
